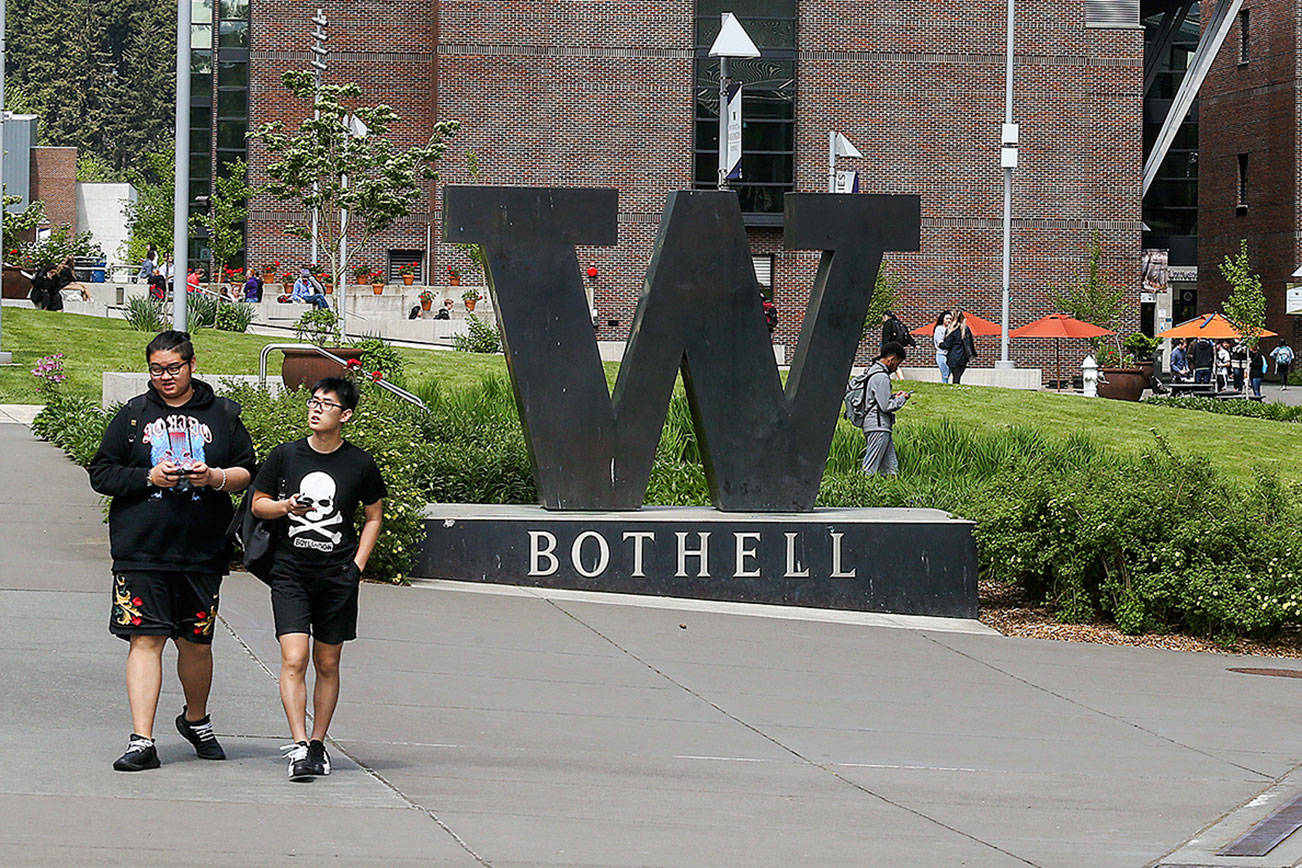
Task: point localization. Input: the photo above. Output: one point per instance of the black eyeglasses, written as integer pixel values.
(170, 370)
(319, 404)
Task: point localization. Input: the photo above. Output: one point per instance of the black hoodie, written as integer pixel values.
(166, 529)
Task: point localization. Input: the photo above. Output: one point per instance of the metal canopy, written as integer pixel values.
(1208, 46)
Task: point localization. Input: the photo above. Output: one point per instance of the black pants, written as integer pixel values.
(956, 374)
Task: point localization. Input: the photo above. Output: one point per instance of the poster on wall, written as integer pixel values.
(1155, 274)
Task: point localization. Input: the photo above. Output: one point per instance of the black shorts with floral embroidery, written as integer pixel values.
(181, 605)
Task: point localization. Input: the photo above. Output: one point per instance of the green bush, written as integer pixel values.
(74, 423)
(233, 316)
(481, 338)
(145, 314)
(1254, 409)
(380, 356)
(200, 310)
(318, 326)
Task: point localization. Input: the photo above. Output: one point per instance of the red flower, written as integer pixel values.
(354, 363)
(135, 621)
(377, 376)
(198, 631)
(201, 614)
(136, 601)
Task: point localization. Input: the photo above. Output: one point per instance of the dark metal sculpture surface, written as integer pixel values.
(764, 446)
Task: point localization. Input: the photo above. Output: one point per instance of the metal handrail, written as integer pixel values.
(384, 384)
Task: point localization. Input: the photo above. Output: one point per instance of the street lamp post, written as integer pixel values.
(731, 42)
(319, 52)
(1008, 161)
(5, 358)
(181, 181)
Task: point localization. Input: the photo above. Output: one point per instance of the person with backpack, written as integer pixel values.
(170, 459)
(959, 348)
(1256, 370)
(311, 488)
(871, 406)
(1283, 356)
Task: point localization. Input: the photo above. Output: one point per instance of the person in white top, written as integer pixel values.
(943, 320)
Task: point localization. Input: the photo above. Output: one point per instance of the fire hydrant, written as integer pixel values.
(1089, 374)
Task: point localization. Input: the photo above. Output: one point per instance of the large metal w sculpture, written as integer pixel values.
(763, 446)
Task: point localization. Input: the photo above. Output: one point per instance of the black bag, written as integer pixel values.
(255, 536)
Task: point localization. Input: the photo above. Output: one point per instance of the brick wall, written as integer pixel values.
(1252, 108)
(599, 93)
(54, 181)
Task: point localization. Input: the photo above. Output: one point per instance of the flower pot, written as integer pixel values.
(470, 303)
(1122, 384)
(16, 285)
(408, 279)
(425, 304)
(363, 281)
(377, 288)
(304, 367)
(454, 280)
(329, 289)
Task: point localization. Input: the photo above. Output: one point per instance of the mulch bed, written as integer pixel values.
(1004, 608)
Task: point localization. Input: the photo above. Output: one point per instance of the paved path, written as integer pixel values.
(498, 726)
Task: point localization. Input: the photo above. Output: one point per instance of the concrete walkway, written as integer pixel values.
(499, 726)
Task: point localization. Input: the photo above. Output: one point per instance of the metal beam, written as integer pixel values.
(1208, 47)
(1172, 20)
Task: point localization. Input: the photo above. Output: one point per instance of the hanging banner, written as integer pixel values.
(734, 132)
(847, 181)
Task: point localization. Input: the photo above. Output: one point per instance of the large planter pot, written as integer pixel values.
(1122, 384)
(454, 280)
(470, 303)
(377, 288)
(15, 284)
(363, 281)
(304, 367)
(408, 279)
(1146, 367)
(425, 304)
(329, 289)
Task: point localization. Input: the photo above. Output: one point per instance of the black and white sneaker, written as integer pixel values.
(318, 759)
(140, 755)
(299, 768)
(199, 733)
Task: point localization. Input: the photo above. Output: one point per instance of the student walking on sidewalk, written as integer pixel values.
(169, 459)
(316, 484)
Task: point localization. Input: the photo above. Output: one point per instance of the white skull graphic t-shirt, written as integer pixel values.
(320, 543)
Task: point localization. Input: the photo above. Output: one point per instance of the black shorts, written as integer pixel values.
(182, 605)
(322, 607)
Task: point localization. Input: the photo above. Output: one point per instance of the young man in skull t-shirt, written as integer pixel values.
(315, 485)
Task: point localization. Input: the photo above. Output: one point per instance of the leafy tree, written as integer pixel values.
(886, 296)
(17, 223)
(382, 181)
(1246, 306)
(474, 252)
(1092, 299)
(228, 208)
(93, 168)
(149, 218)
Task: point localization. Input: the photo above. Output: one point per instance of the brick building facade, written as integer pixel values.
(54, 182)
(567, 93)
(1250, 186)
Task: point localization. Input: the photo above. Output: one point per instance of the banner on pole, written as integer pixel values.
(734, 132)
(847, 181)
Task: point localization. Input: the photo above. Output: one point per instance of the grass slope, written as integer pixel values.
(1233, 444)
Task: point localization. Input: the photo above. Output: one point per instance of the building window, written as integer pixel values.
(1112, 13)
(764, 273)
(1243, 36)
(1243, 182)
(768, 104)
(399, 258)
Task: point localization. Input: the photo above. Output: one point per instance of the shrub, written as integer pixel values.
(380, 356)
(74, 423)
(233, 316)
(318, 326)
(145, 314)
(200, 310)
(482, 337)
(1254, 409)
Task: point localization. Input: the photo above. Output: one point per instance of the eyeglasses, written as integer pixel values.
(319, 404)
(169, 370)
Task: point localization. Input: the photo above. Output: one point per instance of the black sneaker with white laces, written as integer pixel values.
(140, 755)
(299, 768)
(199, 733)
(318, 759)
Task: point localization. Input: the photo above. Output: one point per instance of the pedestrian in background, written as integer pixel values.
(938, 334)
(149, 264)
(1256, 369)
(959, 347)
(1283, 356)
(1238, 364)
(1203, 359)
(1180, 370)
(879, 406)
(307, 289)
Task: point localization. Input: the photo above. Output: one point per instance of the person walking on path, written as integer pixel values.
(879, 406)
(169, 459)
(959, 348)
(1283, 356)
(938, 335)
(307, 289)
(316, 483)
(1202, 360)
(1256, 370)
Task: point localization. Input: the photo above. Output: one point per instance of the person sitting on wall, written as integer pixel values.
(157, 285)
(446, 312)
(1180, 370)
(308, 290)
(46, 286)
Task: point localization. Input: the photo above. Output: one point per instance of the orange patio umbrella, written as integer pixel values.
(1213, 326)
(978, 326)
(1058, 326)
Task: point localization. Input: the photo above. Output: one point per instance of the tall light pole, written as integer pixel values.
(1008, 161)
(731, 42)
(181, 181)
(319, 52)
(5, 358)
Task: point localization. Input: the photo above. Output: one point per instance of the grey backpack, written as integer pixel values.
(856, 400)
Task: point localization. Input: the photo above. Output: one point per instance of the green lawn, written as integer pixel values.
(1233, 444)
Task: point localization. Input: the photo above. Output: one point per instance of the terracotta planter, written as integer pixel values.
(425, 304)
(470, 303)
(1123, 384)
(304, 367)
(454, 280)
(363, 281)
(329, 288)
(408, 279)
(15, 284)
(377, 288)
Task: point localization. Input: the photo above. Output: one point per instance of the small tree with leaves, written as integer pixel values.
(228, 208)
(1092, 299)
(1246, 306)
(18, 223)
(382, 183)
(149, 217)
(886, 296)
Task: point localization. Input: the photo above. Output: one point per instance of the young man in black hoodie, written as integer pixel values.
(169, 460)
